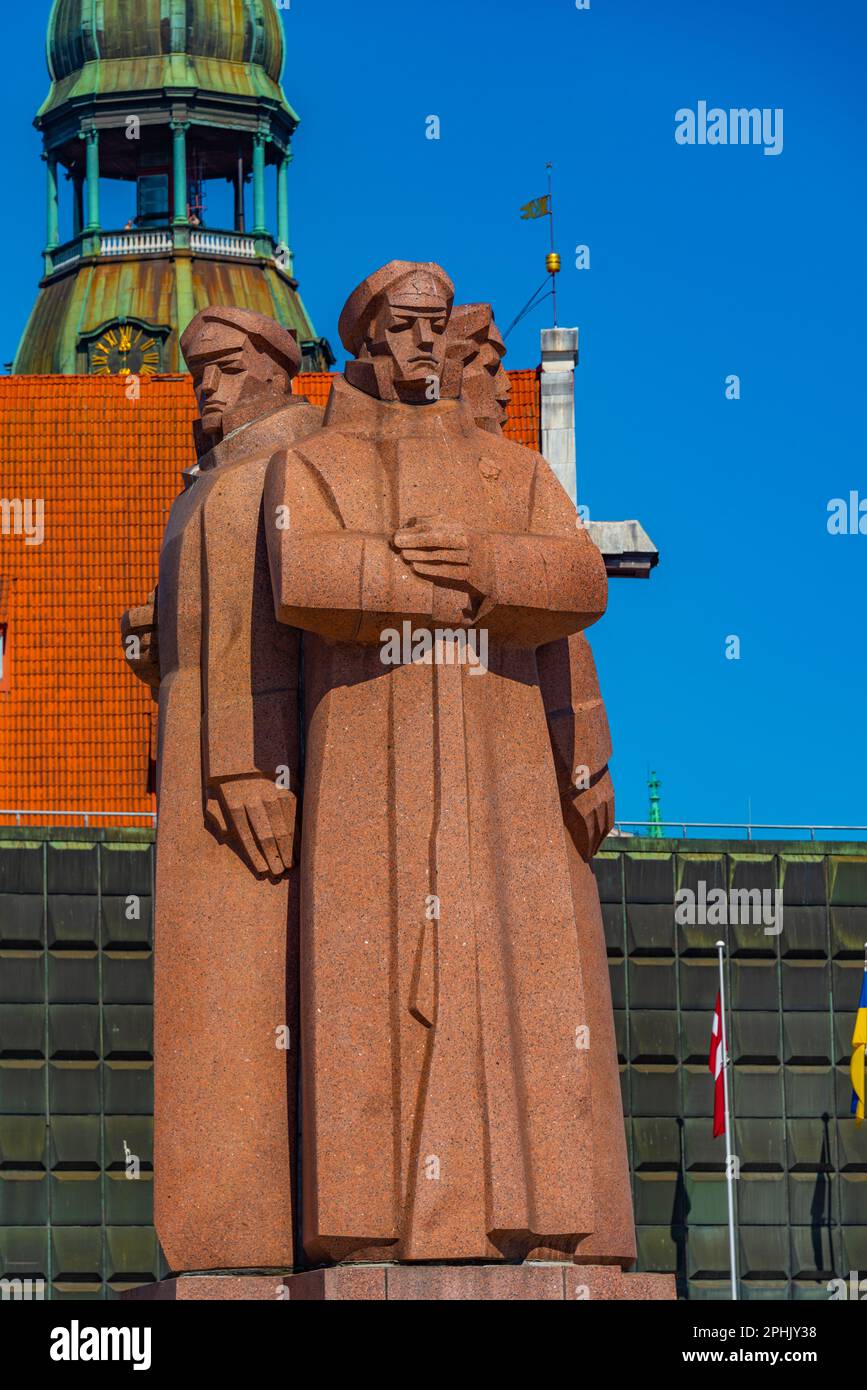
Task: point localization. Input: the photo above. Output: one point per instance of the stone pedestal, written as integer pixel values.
(426, 1283)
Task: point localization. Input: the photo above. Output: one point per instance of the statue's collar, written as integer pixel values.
(355, 412)
(238, 443)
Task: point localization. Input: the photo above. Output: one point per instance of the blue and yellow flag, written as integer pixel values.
(859, 1048)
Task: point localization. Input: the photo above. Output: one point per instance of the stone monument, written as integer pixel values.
(461, 1131)
(225, 954)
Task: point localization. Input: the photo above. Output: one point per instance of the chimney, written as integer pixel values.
(559, 358)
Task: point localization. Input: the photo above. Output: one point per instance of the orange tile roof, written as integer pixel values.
(75, 726)
(524, 409)
(315, 386)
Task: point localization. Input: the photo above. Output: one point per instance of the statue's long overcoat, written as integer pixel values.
(226, 940)
(446, 1081)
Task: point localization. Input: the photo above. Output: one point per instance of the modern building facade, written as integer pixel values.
(76, 1061)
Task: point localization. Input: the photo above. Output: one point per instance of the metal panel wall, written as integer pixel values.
(76, 1064)
(802, 1190)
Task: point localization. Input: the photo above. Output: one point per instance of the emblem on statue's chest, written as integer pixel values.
(489, 471)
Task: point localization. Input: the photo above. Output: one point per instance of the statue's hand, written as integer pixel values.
(140, 635)
(436, 549)
(589, 815)
(258, 817)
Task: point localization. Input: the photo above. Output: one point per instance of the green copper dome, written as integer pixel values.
(100, 47)
(171, 98)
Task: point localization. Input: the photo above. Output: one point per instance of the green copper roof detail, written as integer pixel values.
(99, 47)
(655, 817)
(234, 31)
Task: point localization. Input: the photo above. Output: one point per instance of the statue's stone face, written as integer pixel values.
(234, 382)
(491, 378)
(477, 343)
(502, 387)
(488, 358)
(395, 325)
(495, 351)
(410, 328)
(413, 334)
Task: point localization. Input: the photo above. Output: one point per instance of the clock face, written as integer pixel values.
(125, 350)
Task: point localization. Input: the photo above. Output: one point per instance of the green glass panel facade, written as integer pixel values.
(76, 1061)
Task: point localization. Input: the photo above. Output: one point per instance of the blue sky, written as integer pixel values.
(705, 261)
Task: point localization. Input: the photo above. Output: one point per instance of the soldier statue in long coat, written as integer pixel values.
(446, 1087)
(226, 980)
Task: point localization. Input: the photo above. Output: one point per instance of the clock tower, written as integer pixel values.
(167, 109)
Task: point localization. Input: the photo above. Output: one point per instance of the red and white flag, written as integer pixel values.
(716, 1062)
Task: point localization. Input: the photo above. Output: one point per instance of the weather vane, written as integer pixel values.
(542, 207)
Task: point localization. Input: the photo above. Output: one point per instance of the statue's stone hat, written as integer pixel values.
(266, 334)
(429, 281)
(468, 320)
(470, 326)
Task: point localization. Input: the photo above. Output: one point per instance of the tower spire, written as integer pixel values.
(171, 113)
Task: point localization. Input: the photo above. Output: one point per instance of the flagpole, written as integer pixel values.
(553, 252)
(542, 207)
(729, 1166)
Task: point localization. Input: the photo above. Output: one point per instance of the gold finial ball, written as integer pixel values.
(552, 263)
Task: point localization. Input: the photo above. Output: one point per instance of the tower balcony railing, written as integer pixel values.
(152, 243)
(223, 243)
(160, 241)
(65, 255)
